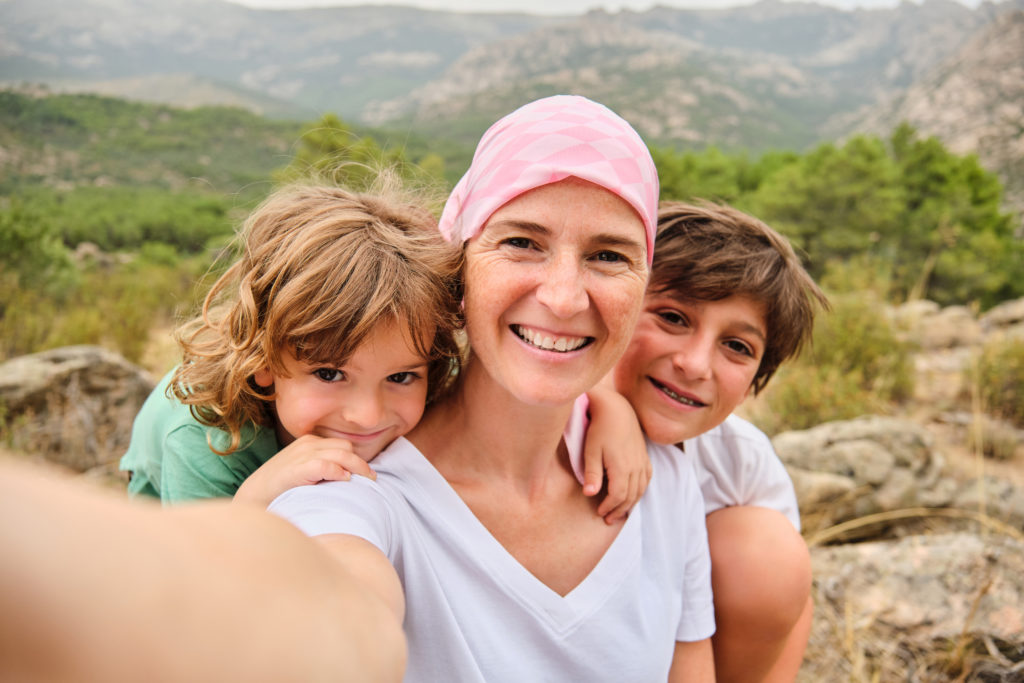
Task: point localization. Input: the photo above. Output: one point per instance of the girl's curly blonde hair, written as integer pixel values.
(320, 268)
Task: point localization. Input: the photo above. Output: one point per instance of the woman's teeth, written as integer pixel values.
(548, 343)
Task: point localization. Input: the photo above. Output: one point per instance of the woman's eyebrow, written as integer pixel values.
(616, 240)
(526, 226)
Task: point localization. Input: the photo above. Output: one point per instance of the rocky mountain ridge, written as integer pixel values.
(772, 75)
(796, 64)
(973, 101)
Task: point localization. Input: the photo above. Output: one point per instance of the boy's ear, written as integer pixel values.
(264, 378)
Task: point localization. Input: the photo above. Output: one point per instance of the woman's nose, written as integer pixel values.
(563, 291)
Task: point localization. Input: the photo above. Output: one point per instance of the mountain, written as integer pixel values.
(973, 101)
(318, 60)
(769, 75)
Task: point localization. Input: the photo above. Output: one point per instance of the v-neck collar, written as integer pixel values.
(562, 613)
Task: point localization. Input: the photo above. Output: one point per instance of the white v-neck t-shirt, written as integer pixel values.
(475, 614)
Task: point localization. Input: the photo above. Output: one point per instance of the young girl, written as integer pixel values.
(320, 345)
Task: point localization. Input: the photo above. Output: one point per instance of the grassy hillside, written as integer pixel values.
(75, 140)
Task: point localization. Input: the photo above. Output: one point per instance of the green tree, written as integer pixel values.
(31, 253)
(835, 202)
(956, 244)
(329, 149)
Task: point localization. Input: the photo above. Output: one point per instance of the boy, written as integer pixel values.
(727, 303)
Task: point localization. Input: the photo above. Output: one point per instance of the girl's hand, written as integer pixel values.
(614, 444)
(307, 460)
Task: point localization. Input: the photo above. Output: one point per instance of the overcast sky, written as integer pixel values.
(551, 6)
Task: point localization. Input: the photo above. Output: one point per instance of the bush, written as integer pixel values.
(999, 375)
(115, 306)
(856, 366)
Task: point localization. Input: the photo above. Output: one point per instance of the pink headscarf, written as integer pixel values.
(547, 141)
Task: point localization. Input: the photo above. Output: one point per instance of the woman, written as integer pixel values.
(479, 510)
(477, 536)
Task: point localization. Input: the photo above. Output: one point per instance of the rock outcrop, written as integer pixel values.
(73, 405)
(921, 608)
(852, 469)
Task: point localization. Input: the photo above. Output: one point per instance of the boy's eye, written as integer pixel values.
(403, 377)
(329, 374)
(673, 317)
(740, 347)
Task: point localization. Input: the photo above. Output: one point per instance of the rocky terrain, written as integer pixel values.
(917, 540)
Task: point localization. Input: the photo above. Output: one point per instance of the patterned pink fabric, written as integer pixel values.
(547, 141)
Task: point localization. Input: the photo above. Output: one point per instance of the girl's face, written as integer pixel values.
(375, 397)
(554, 283)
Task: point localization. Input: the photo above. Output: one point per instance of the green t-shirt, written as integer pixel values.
(170, 459)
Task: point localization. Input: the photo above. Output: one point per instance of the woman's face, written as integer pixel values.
(554, 284)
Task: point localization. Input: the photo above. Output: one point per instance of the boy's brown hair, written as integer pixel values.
(709, 252)
(320, 268)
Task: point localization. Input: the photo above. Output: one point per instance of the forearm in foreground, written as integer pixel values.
(97, 588)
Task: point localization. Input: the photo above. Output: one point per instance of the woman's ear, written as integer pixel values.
(264, 378)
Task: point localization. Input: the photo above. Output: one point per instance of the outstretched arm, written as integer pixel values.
(94, 587)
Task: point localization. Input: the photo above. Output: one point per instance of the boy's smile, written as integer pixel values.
(690, 364)
(375, 397)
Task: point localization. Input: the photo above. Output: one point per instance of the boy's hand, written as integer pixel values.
(307, 460)
(614, 444)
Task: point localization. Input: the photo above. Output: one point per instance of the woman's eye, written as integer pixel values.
(740, 347)
(329, 374)
(518, 242)
(403, 377)
(611, 257)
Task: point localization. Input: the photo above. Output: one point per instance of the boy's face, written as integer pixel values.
(690, 364)
(374, 398)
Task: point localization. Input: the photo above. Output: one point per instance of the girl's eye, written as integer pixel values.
(740, 347)
(403, 377)
(329, 374)
(673, 317)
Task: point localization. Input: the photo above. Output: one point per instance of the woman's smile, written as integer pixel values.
(548, 341)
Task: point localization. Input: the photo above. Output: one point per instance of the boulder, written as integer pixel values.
(852, 469)
(931, 327)
(1005, 315)
(73, 405)
(927, 607)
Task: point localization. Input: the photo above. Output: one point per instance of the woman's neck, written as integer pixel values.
(481, 429)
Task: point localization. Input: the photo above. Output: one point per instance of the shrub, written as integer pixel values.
(999, 375)
(114, 305)
(856, 366)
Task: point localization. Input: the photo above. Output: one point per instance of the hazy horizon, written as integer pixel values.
(559, 7)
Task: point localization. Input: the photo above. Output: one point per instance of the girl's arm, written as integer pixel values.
(307, 460)
(94, 587)
(614, 445)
